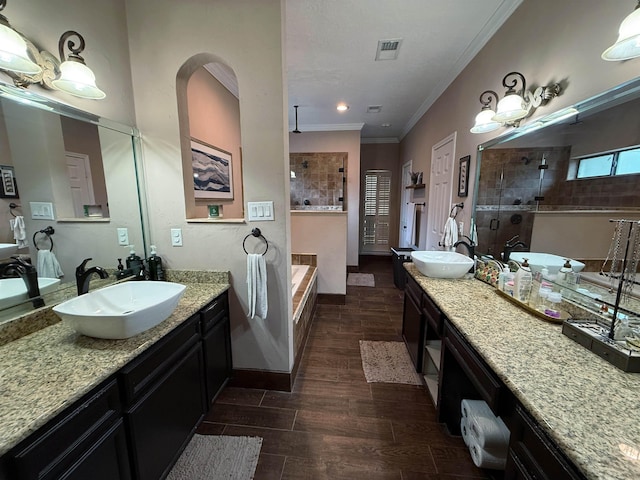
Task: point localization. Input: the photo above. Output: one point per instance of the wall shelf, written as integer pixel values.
(415, 186)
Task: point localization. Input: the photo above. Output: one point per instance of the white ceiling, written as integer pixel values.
(331, 47)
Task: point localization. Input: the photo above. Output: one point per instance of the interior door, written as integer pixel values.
(405, 211)
(79, 174)
(440, 189)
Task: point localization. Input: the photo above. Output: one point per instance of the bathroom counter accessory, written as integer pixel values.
(525, 306)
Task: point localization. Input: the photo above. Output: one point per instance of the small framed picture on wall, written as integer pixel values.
(463, 176)
(8, 182)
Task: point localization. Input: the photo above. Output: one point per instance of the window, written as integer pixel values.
(377, 208)
(622, 162)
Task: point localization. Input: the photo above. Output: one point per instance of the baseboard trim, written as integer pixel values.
(261, 379)
(332, 299)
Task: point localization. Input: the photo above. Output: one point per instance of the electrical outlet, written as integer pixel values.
(123, 236)
(176, 237)
(461, 227)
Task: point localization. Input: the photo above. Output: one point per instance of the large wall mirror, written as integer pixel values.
(557, 181)
(74, 181)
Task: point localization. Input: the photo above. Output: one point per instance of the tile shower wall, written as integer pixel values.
(318, 178)
(510, 181)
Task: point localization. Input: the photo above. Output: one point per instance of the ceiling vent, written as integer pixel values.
(374, 108)
(388, 49)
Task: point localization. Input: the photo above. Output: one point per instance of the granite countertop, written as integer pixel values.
(46, 371)
(586, 405)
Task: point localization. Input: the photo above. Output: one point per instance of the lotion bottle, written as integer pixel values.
(156, 272)
(522, 282)
(566, 269)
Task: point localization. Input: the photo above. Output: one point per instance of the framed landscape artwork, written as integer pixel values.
(212, 171)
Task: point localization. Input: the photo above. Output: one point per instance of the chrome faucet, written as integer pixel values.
(510, 246)
(83, 277)
(471, 249)
(23, 269)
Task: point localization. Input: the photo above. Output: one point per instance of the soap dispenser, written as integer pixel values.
(522, 282)
(133, 260)
(156, 272)
(566, 271)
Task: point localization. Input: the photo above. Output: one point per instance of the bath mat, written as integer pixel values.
(361, 280)
(387, 362)
(218, 457)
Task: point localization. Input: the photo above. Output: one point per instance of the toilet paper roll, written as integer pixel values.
(478, 408)
(492, 459)
(464, 429)
(491, 432)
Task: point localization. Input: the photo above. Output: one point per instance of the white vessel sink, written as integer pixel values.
(537, 261)
(13, 291)
(7, 249)
(441, 264)
(122, 310)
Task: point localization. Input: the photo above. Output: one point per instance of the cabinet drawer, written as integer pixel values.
(432, 313)
(141, 372)
(534, 453)
(214, 312)
(413, 290)
(59, 443)
(479, 374)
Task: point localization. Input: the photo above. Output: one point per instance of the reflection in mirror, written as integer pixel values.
(528, 186)
(318, 180)
(76, 183)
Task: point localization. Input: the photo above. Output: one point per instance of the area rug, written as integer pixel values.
(218, 457)
(387, 362)
(361, 280)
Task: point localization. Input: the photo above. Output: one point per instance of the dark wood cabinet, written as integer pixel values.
(87, 436)
(162, 422)
(137, 423)
(216, 340)
(413, 322)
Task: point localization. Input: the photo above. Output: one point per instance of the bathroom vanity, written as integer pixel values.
(74, 407)
(571, 414)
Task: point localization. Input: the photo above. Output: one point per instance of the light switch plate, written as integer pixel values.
(176, 237)
(260, 211)
(41, 210)
(123, 236)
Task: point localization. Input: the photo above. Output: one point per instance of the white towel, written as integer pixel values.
(19, 231)
(411, 224)
(47, 265)
(450, 234)
(474, 233)
(257, 285)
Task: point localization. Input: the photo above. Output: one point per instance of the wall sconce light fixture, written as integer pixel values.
(13, 49)
(27, 65)
(484, 120)
(75, 77)
(514, 106)
(628, 44)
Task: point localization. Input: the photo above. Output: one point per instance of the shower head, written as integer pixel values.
(526, 160)
(305, 164)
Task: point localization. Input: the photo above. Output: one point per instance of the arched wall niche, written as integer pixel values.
(209, 120)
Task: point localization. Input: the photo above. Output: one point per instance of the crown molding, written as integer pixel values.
(380, 140)
(328, 127)
(491, 27)
(225, 76)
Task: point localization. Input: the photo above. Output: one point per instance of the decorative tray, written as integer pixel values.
(563, 315)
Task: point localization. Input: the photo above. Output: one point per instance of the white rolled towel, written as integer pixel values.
(492, 459)
(491, 432)
(464, 430)
(477, 408)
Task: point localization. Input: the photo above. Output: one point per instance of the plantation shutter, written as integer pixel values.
(377, 208)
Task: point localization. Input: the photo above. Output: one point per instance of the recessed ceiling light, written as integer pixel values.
(386, 125)
(342, 107)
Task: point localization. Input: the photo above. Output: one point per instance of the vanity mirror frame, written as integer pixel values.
(30, 99)
(616, 96)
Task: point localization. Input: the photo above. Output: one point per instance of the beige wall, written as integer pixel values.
(546, 40)
(346, 141)
(383, 156)
(247, 36)
(214, 118)
(325, 234)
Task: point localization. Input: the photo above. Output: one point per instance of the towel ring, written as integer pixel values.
(13, 205)
(48, 232)
(258, 234)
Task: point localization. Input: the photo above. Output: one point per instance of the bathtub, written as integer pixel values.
(297, 274)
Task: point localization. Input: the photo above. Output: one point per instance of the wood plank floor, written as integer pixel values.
(335, 425)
